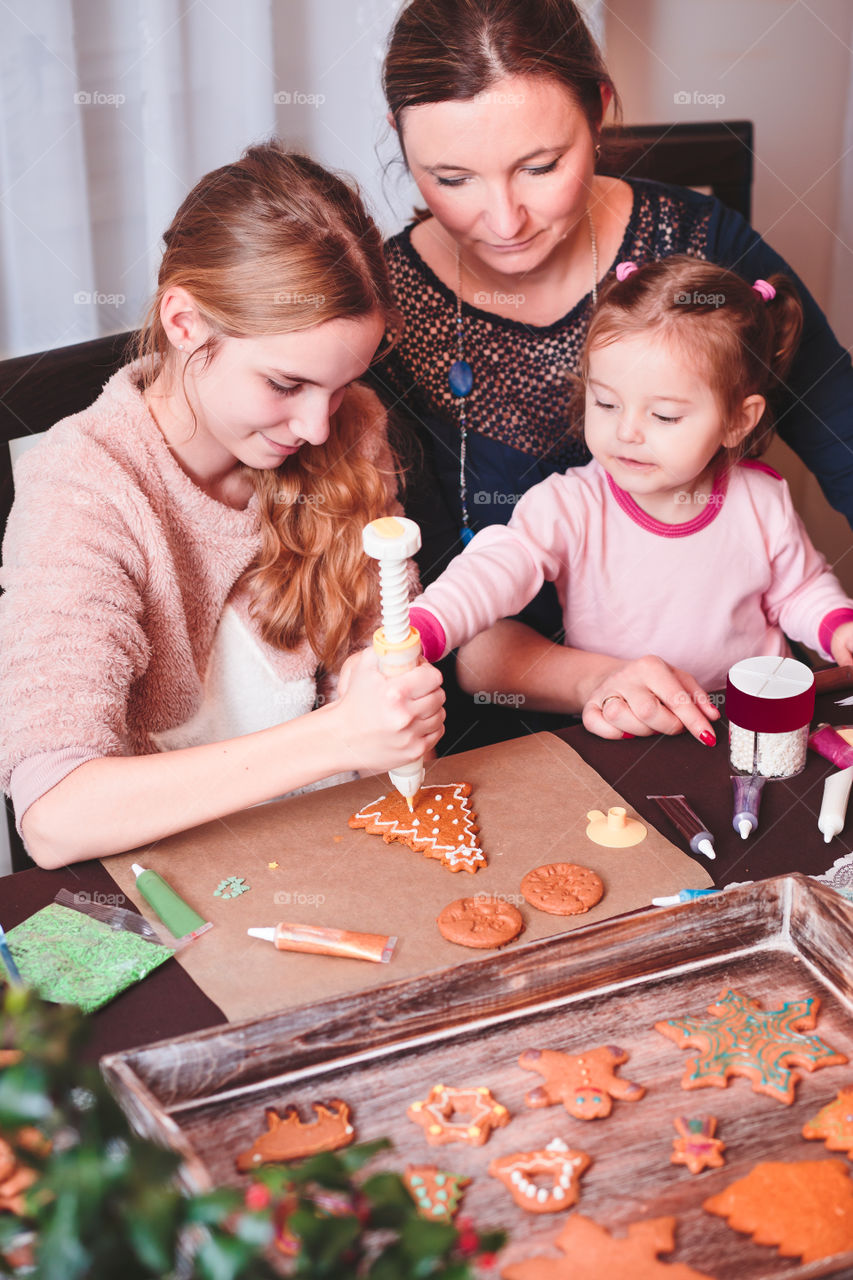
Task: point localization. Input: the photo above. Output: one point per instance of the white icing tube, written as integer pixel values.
(833, 808)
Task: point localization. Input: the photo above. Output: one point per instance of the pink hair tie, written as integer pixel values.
(625, 269)
(765, 289)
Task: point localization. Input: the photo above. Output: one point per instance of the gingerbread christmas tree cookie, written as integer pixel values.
(805, 1207)
(441, 825)
(742, 1039)
(592, 1253)
(436, 1192)
(834, 1123)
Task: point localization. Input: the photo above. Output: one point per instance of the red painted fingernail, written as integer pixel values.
(708, 738)
(628, 735)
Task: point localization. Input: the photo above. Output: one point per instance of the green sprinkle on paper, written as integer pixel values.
(71, 958)
(231, 887)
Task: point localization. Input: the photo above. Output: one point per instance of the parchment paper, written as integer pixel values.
(531, 796)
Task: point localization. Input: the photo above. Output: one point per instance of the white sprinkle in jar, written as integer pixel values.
(769, 705)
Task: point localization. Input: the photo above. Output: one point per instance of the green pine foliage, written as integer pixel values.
(107, 1203)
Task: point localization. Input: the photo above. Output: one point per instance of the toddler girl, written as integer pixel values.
(673, 540)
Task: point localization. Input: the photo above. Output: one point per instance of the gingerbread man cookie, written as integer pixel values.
(565, 1167)
(437, 1114)
(585, 1083)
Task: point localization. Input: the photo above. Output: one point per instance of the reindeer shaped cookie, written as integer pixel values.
(287, 1138)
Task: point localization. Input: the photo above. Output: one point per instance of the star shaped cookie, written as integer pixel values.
(440, 1113)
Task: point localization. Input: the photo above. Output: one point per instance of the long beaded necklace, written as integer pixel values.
(460, 376)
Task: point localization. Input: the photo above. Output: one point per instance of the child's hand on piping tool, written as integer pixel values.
(386, 723)
(841, 645)
(648, 696)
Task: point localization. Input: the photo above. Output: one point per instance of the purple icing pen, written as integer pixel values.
(688, 823)
(747, 792)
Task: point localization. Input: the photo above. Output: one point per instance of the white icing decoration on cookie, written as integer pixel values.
(463, 853)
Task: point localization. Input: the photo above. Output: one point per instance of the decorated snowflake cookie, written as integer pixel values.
(739, 1038)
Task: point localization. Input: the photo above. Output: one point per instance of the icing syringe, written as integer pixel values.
(393, 540)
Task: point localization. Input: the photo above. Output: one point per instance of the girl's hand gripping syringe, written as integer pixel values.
(392, 540)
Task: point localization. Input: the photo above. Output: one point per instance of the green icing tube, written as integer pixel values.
(178, 916)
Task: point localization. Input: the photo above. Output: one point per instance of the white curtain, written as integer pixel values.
(111, 110)
(841, 296)
(594, 13)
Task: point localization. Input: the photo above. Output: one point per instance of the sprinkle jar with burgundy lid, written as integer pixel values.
(769, 706)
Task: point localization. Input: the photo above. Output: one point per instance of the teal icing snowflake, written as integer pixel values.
(742, 1039)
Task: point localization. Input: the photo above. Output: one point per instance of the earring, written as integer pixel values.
(180, 346)
(598, 151)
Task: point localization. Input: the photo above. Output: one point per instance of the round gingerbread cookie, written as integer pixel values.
(480, 922)
(562, 888)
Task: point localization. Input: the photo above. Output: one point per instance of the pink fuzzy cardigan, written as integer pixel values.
(116, 570)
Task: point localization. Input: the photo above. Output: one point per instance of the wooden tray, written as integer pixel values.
(783, 939)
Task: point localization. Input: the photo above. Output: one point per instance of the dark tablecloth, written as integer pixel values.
(168, 1003)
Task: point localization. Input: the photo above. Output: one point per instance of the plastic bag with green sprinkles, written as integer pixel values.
(71, 957)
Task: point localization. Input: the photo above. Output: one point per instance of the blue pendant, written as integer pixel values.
(460, 377)
(466, 535)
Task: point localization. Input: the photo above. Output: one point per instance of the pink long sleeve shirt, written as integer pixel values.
(730, 583)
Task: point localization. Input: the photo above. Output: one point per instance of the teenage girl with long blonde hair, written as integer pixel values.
(183, 569)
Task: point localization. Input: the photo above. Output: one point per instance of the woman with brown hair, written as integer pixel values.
(498, 107)
(183, 567)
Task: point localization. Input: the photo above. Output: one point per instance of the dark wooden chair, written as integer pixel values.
(717, 156)
(35, 392)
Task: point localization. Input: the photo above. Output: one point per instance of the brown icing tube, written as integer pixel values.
(833, 678)
(329, 942)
